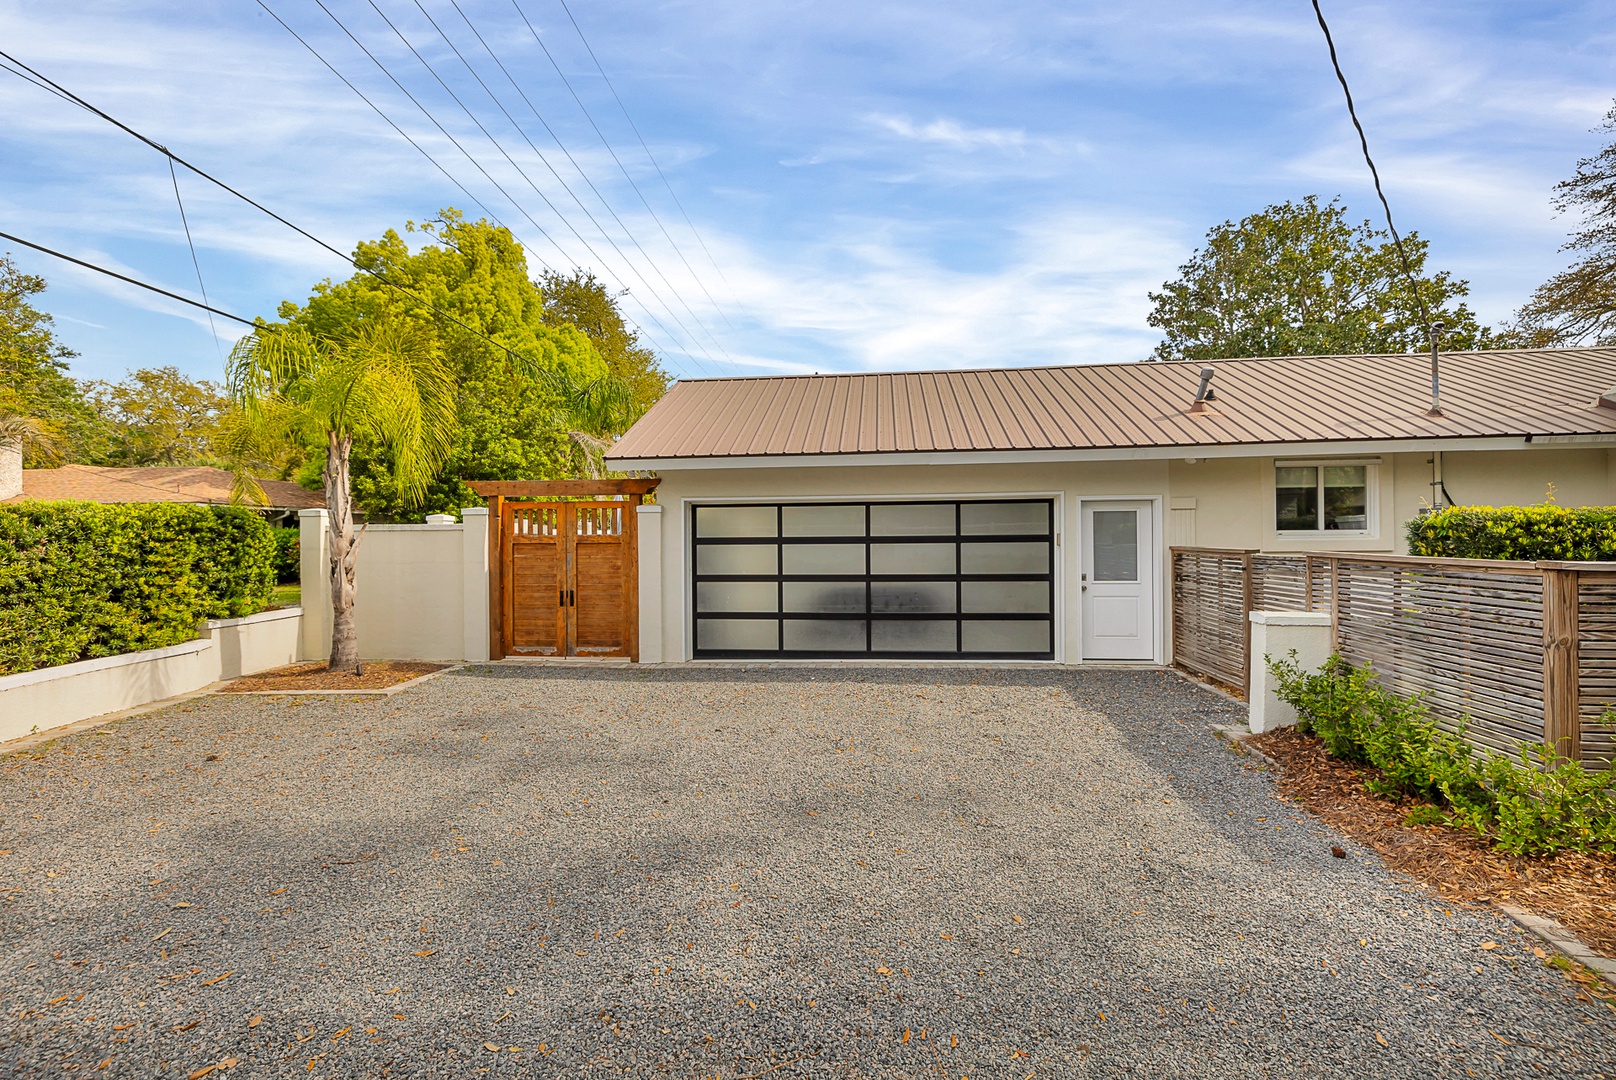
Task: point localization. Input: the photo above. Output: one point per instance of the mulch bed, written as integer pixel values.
(1578, 890)
(314, 676)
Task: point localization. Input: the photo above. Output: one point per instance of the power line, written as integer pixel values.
(175, 177)
(1363, 141)
(124, 277)
(512, 161)
(68, 95)
(562, 146)
(389, 120)
(652, 157)
(606, 143)
(424, 153)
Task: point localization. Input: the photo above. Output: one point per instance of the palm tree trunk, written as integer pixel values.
(344, 552)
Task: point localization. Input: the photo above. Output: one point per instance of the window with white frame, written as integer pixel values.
(1324, 496)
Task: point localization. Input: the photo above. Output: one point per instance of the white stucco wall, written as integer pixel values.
(420, 591)
(54, 697)
(1209, 502)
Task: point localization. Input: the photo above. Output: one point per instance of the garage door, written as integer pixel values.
(878, 580)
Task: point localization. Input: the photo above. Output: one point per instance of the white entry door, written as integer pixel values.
(1119, 602)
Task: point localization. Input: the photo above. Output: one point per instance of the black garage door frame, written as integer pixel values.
(728, 597)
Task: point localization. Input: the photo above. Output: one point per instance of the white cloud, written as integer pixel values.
(951, 133)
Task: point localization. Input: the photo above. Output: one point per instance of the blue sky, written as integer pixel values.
(881, 185)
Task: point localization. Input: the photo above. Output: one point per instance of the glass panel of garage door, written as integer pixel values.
(923, 579)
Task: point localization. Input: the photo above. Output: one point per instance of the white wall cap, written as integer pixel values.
(103, 663)
(1291, 618)
(474, 511)
(272, 615)
(313, 511)
(649, 508)
(440, 519)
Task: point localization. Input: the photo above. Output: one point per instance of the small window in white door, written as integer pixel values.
(1116, 545)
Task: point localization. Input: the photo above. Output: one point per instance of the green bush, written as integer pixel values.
(1516, 532)
(288, 556)
(81, 580)
(1526, 805)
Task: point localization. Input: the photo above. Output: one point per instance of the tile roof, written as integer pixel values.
(1302, 399)
(188, 484)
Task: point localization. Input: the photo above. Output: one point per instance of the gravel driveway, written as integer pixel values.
(734, 873)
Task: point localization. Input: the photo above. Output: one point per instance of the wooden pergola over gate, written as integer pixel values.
(564, 562)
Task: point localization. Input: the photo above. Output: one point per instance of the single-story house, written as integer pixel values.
(1027, 513)
(185, 483)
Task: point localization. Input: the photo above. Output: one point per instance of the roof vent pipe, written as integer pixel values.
(1436, 373)
(1204, 392)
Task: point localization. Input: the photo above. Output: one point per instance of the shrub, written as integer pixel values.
(288, 555)
(1516, 532)
(81, 580)
(1526, 805)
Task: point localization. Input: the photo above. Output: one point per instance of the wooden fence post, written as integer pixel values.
(1562, 704)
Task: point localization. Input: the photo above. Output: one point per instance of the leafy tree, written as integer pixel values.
(383, 381)
(157, 416)
(1579, 304)
(1298, 279)
(510, 397)
(33, 375)
(579, 299)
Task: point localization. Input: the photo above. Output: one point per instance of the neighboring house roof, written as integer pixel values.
(187, 484)
(1273, 401)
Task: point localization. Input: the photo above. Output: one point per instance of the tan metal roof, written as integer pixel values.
(1299, 399)
(186, 484)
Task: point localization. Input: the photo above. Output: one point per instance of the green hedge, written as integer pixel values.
(80, 580)
(1526, 804)
(288, 556)
(1516, 532)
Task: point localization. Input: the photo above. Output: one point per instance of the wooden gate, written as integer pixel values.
(566, 571)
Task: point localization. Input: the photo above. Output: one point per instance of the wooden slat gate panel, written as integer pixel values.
(568, 575)
(1210, 630)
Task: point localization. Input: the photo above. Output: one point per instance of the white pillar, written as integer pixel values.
(650, 556)
(314, 568)
(475, 583)
(1275, 634)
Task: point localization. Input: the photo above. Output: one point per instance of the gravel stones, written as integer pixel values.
(729, 870)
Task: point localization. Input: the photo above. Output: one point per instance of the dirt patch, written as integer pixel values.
(1578, 890)
(314, 676)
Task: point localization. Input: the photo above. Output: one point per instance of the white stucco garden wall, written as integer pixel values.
(421, 591)
(39, 701)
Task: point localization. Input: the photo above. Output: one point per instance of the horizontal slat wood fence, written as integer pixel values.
(1519, 651)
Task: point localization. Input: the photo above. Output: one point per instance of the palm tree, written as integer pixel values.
(386, 383)
(22, 432)
(593, 412)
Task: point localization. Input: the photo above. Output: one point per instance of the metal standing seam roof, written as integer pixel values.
(1275, 400)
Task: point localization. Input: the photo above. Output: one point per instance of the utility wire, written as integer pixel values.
(606, 143)
(175, 177)
(652, 157)
(1363, 141)
(546, 124)
(389, 120)
(424, 153)
(513, 163)
(123, 277)
(63, 92)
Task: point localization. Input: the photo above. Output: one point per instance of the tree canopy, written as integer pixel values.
(1298, 279)
(1578, 304)
(34, 383)
(516, 399)
(156, 416)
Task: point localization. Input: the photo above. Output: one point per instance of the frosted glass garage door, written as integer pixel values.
(913, 580)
